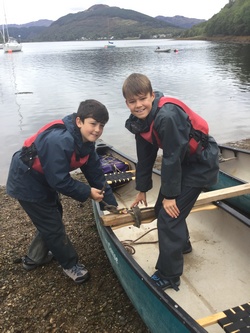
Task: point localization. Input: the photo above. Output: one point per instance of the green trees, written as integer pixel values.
(232, 20)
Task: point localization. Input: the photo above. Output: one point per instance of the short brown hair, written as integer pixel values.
(93, 109)
(136, 84)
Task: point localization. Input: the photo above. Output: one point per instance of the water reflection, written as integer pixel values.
(211, 78)
(235, 60)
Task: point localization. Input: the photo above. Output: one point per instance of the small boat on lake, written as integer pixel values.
(12, 45)
(214, 287)
(158, 49)
(110, 45)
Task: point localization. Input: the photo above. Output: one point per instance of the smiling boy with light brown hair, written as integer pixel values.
(189, 164)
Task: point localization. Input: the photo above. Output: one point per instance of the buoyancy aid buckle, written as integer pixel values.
(28, 154)
(201, 139)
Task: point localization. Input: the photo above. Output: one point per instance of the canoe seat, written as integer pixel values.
(119, 178)
(232, 320)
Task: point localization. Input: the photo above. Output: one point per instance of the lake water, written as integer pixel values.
(47, 81)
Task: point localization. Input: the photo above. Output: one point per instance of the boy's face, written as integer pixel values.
(140, 105)
(90, 129)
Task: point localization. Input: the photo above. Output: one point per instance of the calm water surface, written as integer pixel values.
(48, 80)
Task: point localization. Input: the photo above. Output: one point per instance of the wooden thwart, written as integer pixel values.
(225, 193)
(203, 203)
(232, 320)
(211, 320)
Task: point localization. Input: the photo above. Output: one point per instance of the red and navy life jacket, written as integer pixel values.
(199, 127)
(29, 153)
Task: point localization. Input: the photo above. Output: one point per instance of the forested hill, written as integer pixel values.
(232, 20)
(104, 22)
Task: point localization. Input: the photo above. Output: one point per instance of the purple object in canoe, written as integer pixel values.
(111, 164)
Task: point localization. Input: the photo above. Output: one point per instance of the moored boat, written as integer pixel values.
(110, 45)
(158, 49)
(216, 273)
(12, 45)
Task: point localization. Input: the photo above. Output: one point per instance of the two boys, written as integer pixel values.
(41, 169)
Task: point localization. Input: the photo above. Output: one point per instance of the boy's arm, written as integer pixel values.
(146, 155)
(55, 149)
(173, 129)
(94, 174)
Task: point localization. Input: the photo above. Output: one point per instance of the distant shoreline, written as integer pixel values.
(224, 39)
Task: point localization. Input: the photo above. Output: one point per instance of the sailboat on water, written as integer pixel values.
(110, 44)
(10, 44)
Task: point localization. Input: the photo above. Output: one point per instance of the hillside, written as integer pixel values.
(97, 22)
(102, 22)
(232, 20)
(180, 21)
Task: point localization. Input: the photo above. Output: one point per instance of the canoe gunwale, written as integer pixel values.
(233, 149)
(232, 211)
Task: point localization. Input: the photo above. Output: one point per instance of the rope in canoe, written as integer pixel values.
(128, 243)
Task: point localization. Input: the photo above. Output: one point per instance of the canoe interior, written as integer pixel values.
(234, 170)
(216, 273)
(236, 162)
(242, 202)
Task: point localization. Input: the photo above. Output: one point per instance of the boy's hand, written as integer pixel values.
(170, 207)
(140, 199)
(96, 194)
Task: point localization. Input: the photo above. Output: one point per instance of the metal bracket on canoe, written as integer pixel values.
(135, 212)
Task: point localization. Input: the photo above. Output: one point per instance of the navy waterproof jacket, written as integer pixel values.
(55, 147)
(178, 168)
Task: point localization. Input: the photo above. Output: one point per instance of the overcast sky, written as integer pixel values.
(25, 11)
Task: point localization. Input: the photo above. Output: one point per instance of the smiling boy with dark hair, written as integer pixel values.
(42, 169)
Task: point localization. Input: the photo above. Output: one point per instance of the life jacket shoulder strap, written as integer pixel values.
(54, 124)
(29, 151)
(199, 126)
(197, 122)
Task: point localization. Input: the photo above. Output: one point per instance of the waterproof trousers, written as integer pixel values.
(173, 233)
(50, 236)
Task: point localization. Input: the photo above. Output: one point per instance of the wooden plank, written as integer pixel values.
(203, 207)
(147, 214)
(225, 193)
(211, 320)
(203, 203)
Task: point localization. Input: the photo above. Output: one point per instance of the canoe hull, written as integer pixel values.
(159, 316)
(163, 50)
(214, 233)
